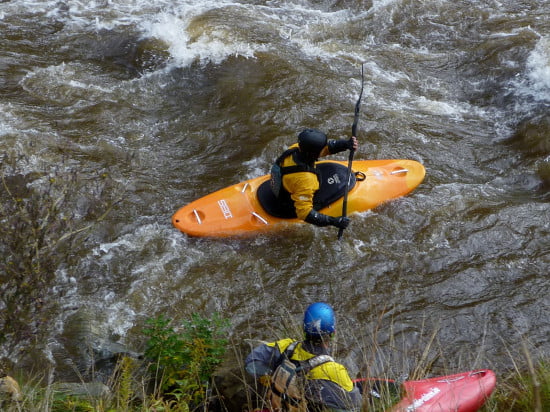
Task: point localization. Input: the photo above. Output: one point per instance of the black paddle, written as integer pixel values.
(351, 152)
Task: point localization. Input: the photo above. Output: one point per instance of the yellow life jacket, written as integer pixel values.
(286, 391)
(331, 371)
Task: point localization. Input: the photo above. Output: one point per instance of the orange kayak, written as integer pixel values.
(242, 209)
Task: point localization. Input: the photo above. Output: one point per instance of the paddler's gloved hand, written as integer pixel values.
(318, 219)
(341, 222)
(337, 146)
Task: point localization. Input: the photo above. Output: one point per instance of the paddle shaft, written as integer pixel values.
(351, 152)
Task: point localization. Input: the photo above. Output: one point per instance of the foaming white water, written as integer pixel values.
(380, 4)
(538, 65)
(211, 45)
(209, 30)
(120, 316)
(143, 275)
(168, 21)
(6, 118)
(65, 84)
(535, 82)
(450, 109)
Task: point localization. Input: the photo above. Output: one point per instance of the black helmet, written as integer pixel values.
(312, 141)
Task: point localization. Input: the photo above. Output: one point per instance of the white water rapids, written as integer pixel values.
(145, 106)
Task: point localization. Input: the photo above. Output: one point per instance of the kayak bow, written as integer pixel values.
(461, 392)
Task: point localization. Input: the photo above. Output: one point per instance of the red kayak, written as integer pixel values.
(462, 392)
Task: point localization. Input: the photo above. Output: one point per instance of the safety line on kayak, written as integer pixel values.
(244, 187)
(197, 216)
(451, 380)
(261, 219)
(399, 171)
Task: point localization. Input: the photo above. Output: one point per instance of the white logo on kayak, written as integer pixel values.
(333, 179)
(423, 399)
(224, 207)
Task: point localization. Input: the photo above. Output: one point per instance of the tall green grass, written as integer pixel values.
(525, 388)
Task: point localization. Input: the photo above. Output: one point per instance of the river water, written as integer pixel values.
(134, 108)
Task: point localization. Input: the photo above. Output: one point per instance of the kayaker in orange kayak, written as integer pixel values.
(294, 179)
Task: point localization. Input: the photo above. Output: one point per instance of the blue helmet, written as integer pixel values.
(319, 320)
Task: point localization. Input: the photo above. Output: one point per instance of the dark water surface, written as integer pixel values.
(137, 108)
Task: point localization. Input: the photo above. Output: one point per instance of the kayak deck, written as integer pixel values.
(462, 392)
(235, 210)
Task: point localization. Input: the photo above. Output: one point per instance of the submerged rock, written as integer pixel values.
(533, 135)
(87, 351)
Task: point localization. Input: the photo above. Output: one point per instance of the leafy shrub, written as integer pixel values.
(184, 358)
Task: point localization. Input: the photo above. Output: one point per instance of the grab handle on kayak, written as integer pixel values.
(197, 216)
(395, 172)
(261, 219)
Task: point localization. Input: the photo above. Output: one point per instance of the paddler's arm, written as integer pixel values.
(319, 219)
(263, 359)
(336, 146)
(302, 187)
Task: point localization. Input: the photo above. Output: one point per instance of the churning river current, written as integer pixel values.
(115, 113)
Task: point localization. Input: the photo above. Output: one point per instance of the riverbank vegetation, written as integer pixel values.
(526, 388)
(176, 370)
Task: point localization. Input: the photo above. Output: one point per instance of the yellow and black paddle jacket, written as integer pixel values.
(299, 181)
(329, 385)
